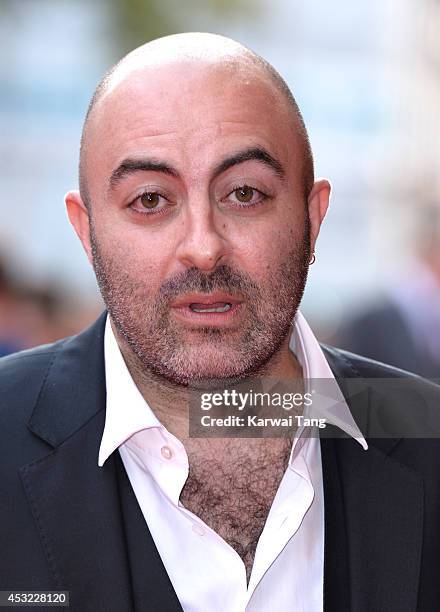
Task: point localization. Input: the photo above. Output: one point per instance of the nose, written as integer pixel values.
(203, 244)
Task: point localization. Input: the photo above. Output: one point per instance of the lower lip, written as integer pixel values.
(214, 319)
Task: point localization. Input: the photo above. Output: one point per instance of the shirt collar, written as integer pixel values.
(127, 412)
(334, 409)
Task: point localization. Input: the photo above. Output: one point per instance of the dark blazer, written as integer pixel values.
(63, 524)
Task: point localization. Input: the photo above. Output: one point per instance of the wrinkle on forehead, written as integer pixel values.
(190, 146)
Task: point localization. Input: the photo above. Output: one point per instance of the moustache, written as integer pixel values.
(222, 278)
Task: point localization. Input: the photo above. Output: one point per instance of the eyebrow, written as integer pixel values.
(255, 153)
(130, 166)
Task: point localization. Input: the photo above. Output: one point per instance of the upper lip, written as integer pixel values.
(205, 298)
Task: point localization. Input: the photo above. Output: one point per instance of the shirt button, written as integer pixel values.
(166, 451)
(198, 529)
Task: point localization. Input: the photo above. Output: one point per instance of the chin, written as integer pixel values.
(207, 368)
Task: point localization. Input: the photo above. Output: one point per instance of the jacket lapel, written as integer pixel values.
(150, 581)
(76, 508)
(75, 504)
(373, 519)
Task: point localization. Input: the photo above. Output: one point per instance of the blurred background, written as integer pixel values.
(367, 78)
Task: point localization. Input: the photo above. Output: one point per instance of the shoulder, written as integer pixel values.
(48, 391)
(28, 359)
(22, 375)
(399, 403)
(55, 372)
(22, 378)
(25, 366)
(27, 369)
(350, 364)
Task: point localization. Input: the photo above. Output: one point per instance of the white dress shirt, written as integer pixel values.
(206, 572)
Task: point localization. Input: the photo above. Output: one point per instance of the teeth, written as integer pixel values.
(224, 308)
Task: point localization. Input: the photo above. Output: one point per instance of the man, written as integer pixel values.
(199, 211)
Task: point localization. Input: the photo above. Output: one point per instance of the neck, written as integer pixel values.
(170, 402)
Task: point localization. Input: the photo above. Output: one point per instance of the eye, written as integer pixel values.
(149, 202)
(246, 195)
(150, 199)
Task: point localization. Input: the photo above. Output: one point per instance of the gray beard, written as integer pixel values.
(212, 357)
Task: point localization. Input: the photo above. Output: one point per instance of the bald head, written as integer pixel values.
(196, 50)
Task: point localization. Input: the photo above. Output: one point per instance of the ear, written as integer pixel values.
(318, 202)
(79, 218)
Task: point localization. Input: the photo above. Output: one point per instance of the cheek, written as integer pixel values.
(264, 251)
(134, 254)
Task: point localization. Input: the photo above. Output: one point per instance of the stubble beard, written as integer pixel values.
(207, 356)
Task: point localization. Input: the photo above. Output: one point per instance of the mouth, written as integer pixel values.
(218, 309)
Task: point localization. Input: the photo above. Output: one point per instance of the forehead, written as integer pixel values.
(193, 112)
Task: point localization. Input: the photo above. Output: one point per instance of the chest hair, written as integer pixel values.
(231, 486)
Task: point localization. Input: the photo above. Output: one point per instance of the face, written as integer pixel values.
(199, 232)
